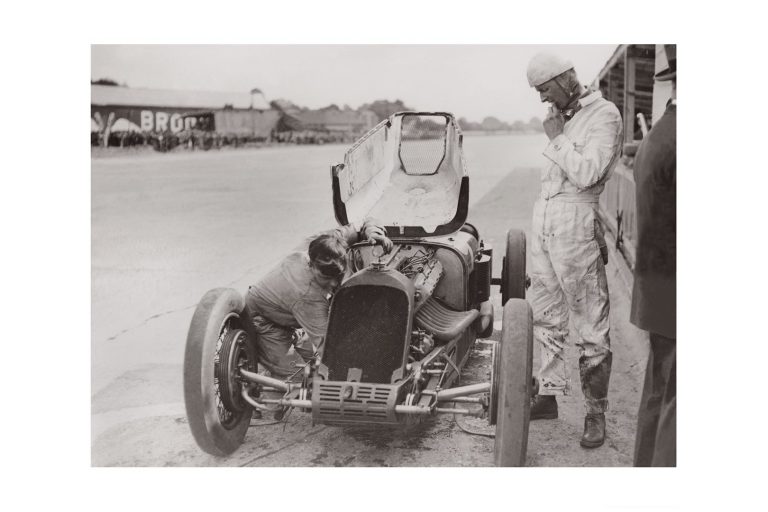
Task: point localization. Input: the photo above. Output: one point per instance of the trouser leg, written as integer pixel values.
(582, 274)
(659, 376)
(665, 450)
(274, 342)
(665, 453)
(648, 414)
(550, 320)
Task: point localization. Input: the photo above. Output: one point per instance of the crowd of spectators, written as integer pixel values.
(198, 139)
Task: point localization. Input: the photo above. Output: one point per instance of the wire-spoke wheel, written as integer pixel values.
(217, 347)
(231, 355)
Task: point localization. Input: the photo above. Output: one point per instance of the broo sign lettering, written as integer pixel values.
(162, 121)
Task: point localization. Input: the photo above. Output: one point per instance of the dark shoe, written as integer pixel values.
(256, 414)
(543, 407)
(594, 431)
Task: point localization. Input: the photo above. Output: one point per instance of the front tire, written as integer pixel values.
(512, 407)
(216, 347)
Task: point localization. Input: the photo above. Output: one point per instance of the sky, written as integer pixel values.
(472, 81)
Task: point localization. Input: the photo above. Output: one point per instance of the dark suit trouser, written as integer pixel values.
(656, 440)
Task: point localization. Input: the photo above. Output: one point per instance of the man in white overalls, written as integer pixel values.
(568, 248)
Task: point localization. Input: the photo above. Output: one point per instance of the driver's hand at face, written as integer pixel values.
(553, 123)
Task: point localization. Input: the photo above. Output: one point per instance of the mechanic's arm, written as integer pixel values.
(351, 233)
(586, 166)
(370, 230)
(312, 316)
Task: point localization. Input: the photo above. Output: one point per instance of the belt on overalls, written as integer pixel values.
(574, 198)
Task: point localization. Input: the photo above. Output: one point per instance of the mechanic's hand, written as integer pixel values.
(382, 240)
(377, 234)
(553, 123)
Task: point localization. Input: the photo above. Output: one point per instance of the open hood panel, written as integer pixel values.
(408, 173)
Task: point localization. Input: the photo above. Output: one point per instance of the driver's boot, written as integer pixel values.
(543, 407)
(594, 430)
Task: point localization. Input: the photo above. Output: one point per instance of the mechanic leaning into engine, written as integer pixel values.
(296, 294)
(568, 250)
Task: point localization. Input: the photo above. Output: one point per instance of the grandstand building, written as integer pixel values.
(117, 111)
(116, 108)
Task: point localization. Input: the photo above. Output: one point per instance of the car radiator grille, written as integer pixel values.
(353, 402)
(368, 330)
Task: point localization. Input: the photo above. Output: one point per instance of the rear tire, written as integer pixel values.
(515, 364)
(214, 333)
(513, 267)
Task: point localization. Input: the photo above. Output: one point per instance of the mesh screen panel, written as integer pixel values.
(422, 143)
(367, 329)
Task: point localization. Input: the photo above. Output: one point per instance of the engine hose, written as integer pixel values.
(468, 431)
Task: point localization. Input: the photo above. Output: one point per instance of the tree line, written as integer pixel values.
(385, 108)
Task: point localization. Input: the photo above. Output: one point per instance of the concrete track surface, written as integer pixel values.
(166, 228)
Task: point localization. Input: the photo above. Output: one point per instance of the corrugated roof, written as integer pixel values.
(137, 97)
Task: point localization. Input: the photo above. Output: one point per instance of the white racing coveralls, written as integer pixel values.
(568, 273)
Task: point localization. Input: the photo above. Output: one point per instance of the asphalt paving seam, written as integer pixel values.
(247, 272)
(146, 321)
(173, 311)
(103, 421)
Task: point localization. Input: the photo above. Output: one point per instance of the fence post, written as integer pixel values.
(629, 94)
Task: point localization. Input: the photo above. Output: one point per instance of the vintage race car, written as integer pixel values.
(401, 326)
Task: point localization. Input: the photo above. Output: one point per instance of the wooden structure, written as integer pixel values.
(251, 123)
(627, 80)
